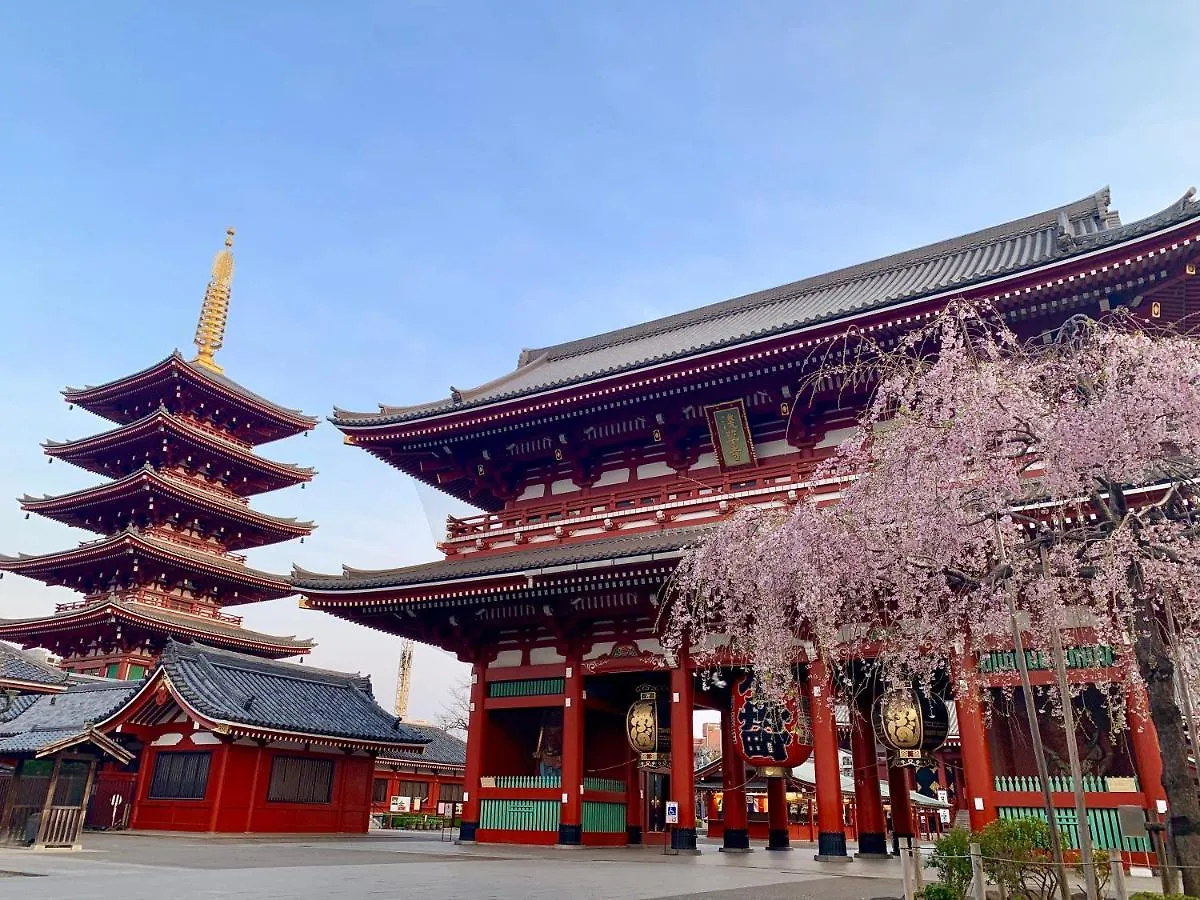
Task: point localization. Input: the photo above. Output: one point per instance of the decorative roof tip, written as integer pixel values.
(210, 330)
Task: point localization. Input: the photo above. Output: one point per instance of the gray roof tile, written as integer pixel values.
(524, 560)
(245, 690)
(174, 623)
(951, 265)
(443, 747)
(22, 666)
(53, 717)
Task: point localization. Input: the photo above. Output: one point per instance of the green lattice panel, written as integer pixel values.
(519, 815)
(607, 818)
(528, 781)
(1077, 658)
(527, 687)
(1104, 824)
(604, 784)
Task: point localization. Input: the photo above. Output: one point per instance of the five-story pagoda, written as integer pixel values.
(172, 516)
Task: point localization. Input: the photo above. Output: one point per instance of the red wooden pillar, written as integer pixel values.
(635, 806)
(221, 760)
(777, 815)
(570, 827)
(831, 831)
(683, 773)
(1147, 760)
(870, 823)
(903, 821)
(476, 728)
(978, 794)
(733, 785)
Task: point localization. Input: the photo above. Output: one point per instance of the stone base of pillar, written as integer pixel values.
(684, 840)
(634, 834)
(872, 846)
(570, 835)
(466, 832)
(831, 847)
(779, 839)
(735, 840)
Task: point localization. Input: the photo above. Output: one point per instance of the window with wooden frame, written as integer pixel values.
(417, 790)
(450, 793)
(296, 779)
(180, 776)
(379, 790)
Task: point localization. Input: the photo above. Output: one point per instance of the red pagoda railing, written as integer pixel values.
(161, 601)
(672, 489)
(197, 544)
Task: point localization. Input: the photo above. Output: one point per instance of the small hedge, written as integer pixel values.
(1152, 895)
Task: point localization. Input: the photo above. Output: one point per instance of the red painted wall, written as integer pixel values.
(236, 797)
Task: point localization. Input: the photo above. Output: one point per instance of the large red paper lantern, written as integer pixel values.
(772, 736)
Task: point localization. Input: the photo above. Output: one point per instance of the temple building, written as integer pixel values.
(172, 516)
(211, 741)
(595, 462)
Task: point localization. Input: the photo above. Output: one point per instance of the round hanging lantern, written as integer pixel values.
(772, 736)
(910, 725)
(641, 724)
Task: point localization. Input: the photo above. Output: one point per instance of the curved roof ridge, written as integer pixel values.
(1095, 204)
(176, 358)
(170, 480)
(168, 416)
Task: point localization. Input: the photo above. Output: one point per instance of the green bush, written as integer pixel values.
(1151, 895)
(937, 891)
(1016, 856)
(951, 860)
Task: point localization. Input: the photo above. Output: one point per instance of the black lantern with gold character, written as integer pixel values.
(642, 729)
(911, 725)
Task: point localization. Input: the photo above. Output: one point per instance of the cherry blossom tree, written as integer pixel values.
(1050, 481)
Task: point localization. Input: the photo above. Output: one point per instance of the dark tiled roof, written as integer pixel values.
(19, 665)
(52, 718)
(131, 539)
(621, 550)
(149, 428)
(443, 747)
(177, 362)
(951, 265)
(244, 690)
(171, 622)
(70, 507)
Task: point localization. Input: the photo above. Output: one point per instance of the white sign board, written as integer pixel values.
(672, 812)
(400, 804)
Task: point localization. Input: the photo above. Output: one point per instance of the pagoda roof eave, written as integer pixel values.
(93, 397)
(161, 418)
(152, 618)
(149, 478)
(946, 269)
(133, 540)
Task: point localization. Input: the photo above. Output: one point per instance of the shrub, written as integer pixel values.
(1151, 895)
(938, 891)
(951, 860)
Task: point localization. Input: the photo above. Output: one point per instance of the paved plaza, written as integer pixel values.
(144, 867)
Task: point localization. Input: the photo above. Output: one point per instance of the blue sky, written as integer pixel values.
(421, 189)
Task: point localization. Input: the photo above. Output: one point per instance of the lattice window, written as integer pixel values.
(417, 790)
(379, 790)
(298, 780)
(180, 776)
(450, 793)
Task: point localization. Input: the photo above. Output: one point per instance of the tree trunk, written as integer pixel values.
(1157, 669)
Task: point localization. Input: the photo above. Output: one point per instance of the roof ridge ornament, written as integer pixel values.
(210, 330)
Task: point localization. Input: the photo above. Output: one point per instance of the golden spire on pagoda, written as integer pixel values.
(210, 331)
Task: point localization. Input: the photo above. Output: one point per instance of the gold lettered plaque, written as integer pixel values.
(730, 432)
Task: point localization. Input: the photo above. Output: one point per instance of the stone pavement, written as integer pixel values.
(144, 867)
